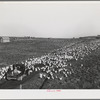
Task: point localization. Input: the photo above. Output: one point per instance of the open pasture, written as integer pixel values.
(82, 73)
(68, 64)
(14, 52)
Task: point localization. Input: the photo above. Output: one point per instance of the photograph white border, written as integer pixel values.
(45, 94)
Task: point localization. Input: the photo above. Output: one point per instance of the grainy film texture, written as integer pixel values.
(49, 45)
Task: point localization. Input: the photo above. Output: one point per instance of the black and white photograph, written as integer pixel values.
(49, 45)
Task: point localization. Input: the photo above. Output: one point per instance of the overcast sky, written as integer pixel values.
(50, 19)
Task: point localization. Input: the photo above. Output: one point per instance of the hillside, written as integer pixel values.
(13, 52)
(82, 73)
(73, 65)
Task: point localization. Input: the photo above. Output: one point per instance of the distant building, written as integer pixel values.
(4, 39)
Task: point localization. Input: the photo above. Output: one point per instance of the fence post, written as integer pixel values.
(21, 84)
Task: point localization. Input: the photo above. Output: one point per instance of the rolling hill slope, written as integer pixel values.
(13, 52)
(75, 65)
(85, 68)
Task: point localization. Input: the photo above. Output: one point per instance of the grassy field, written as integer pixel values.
(18, 51)
(86, 77)
(13, 52)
